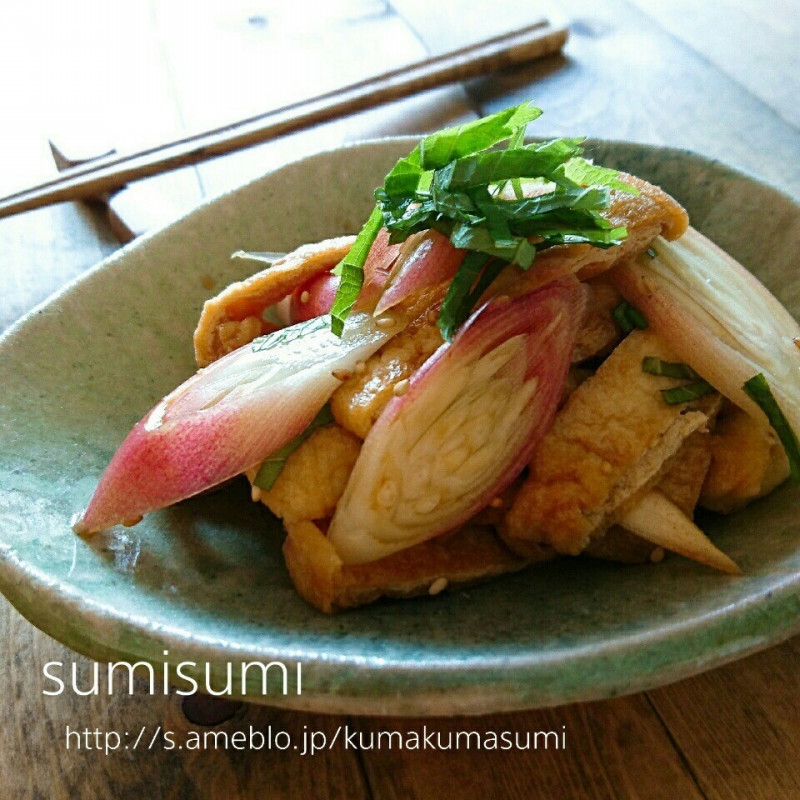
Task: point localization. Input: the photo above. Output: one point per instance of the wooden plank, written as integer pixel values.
(615, 749)
(76, 76)
(248, 76)
(363, 38)
(730, 34)
(619, 58)
(738, 726)
(98, 78)
(111, 171)
(35, 761)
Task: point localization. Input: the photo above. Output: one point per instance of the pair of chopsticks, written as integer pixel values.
(113, 171)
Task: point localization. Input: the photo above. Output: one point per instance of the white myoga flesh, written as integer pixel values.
(718, 317)
(661, 522)
(229, 416)
(466, 427)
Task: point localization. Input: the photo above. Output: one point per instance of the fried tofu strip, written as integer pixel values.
(308, 488)
(234, 317)
(683, 480)
(313, 477)
(747, 462)
(359, 401)
(611, 441)
(681, 484)
(646, 215)
(599, 332)
(473, 553)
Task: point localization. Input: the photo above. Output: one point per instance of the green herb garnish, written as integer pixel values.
(457, 182)
(628, 317)
(585, 173)
(686, 393)
(351, 269)
(677, 369)
(483, 169)
(758, 390)
(468, 282)
(272, 467)
(670, 369)
(446, 145)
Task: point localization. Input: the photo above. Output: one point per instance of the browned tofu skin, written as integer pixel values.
(747, 462)
(646, 215)
(683, 480)
(471, 554)
(314, 476)
(624, 547)
(681, 483)
(612, 440)
(599, 333)
(359, 401)
(234, 317)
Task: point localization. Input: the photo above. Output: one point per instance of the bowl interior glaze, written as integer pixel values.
(205, 580)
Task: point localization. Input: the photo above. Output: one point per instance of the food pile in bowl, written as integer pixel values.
(522, 355)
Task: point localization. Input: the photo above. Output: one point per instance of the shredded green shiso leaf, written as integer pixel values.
(670, 369)
(758, 389)
(474, 275)
(272, 467)
(628, 317)
(351, 269)
(676, 369)
(686, 393)
(454, 181)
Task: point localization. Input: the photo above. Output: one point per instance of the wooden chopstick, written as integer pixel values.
(114, 171)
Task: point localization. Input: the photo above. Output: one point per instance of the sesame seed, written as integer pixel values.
(131, 521)
(401, 387)
(304, 297)
(385, 322)
(439, 585)
(657, 555)
(255, 493)
(341, 374)
(497, 502)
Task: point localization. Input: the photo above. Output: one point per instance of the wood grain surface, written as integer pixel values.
(108, 173)
(720, 78)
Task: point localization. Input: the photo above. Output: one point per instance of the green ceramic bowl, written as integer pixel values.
(205, 581)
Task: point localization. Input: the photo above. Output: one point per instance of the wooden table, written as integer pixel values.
(720, 78)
